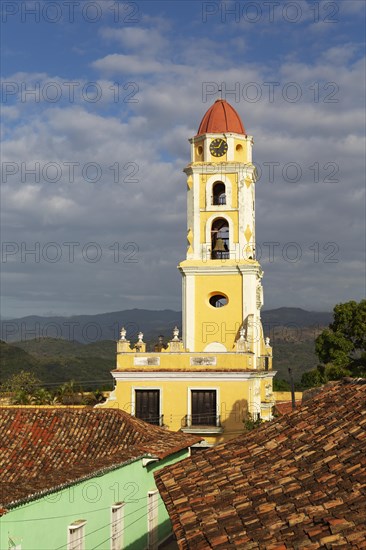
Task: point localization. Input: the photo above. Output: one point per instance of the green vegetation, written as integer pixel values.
(281, 385)
(250, 423)
(54, 362)
(293, 347)
(24, 388)
(341, 348)
(47, 371)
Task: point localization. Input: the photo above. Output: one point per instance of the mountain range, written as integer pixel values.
(106, 326)
(82, 348)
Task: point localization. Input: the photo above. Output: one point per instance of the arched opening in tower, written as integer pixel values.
(220, 248)
(218, 193)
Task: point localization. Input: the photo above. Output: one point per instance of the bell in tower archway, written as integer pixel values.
(220, 250)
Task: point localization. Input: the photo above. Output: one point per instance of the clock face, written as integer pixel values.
(218, 147)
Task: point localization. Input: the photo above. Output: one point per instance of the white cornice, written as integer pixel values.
(200, 137)
(206, 168)
(220, 269)
(212, 376)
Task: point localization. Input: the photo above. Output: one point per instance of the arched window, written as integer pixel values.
(220, 240)
(218, 193)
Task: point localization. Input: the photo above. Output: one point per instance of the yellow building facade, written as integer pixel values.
(219, 373)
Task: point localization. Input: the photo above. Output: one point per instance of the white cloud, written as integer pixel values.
(129, 64)
(152, 135)
(339, 55)
(135, 39)
(8, 112)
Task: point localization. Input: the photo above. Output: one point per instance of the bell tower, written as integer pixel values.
(222, 291)
(220, 373)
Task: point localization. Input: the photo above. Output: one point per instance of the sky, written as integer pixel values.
(99, 99)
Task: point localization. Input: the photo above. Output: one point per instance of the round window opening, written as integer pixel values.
(200, 150)
(218, 300)
(239, 147)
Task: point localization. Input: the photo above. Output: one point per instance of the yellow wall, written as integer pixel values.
(217, 324)
(286, 395)
(239, 155)
(233, 398)
(233, 178)
(170, 362)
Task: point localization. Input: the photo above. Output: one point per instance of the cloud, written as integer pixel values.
(130, 64)
(143, 213)
(135, 39)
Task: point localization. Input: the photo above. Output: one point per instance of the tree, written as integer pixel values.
(343, 344)
(312, 378)
(341, 348)
(22, 382)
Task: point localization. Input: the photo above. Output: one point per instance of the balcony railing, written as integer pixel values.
(220, 255)
(197, 420)
(218, 199)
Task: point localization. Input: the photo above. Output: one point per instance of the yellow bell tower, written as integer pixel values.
(222, 291)
(220, 373)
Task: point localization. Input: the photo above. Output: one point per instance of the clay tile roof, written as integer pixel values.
(221, 118)
(285, 407)
(45, 448)
(296, 482)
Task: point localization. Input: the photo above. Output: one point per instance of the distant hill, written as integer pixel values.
(14, 359)
(106, 326)
(56, 360)
(298, 317)
(91, 328)
(46, 348)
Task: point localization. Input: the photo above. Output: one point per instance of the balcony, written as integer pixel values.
(208, 423)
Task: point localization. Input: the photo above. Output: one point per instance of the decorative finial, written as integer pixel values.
(175, 333)
(140, 336)
(241, 332)
(267, 341)
(123, 333)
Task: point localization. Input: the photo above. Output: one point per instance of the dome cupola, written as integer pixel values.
(221, 118)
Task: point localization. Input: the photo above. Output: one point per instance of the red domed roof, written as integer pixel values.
(221, 118)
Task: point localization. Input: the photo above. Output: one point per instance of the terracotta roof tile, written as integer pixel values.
(220, 118)
(285, 407)
(44, 448)
(296, 482)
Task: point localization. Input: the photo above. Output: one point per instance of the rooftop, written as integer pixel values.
(296, 482)
(285, 407)
(43, 449)
(220, 118)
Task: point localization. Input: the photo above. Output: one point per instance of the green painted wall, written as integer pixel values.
(42, 524)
